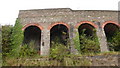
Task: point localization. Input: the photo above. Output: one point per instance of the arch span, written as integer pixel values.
(111, 30)
(112, 22)
(57, 24)
(32, 24)
(89, 29)
(83, 22)
(59, 34)
(32, 36)
(87, 34)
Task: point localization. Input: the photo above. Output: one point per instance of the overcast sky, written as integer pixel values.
(9, 9)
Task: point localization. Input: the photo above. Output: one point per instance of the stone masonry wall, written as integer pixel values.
(45, 19)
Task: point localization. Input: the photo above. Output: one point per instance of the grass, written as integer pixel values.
(101, 53)
(40, 62)
(72, 60)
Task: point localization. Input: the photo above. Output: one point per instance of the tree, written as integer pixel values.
(6, 33)
(16, 38)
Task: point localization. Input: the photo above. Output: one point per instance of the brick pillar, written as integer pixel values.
(102, 39)
(72, 34)
(45, 42)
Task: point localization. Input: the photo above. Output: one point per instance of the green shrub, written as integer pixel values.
(89, 44)
(114, 42)
(86, 44)
(77, 61)
(59, 51)
(6, 42)
(0, 38)
(77, 42)
(0, 47)
(16, 39)
(28, 50)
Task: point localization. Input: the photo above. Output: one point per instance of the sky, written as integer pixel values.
(9, 9)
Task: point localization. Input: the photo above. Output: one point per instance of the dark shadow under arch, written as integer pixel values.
(89, 29)
(59, 34)
(32, 34)
(88, 39)
(110, 29)
(111, 32)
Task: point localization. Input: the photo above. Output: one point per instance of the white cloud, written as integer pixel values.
(9, 9)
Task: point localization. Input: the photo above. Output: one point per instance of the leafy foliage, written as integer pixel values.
(114, 42)
(86, 44)
(16, 38)
(89, 44)
(28, 50)
(59, 51)
(6, 42)
(77, 42)
(12, 42)
(0, 46)
(0, 36)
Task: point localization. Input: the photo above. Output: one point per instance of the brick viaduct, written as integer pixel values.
(40, 24)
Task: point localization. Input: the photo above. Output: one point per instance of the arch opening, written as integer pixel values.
(87, 29)
(112, 33)
(59, 34)
(110, 29)
(88, 39)
(32, 37)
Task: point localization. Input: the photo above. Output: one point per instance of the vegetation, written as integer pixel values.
(86, 44)
(0, 39)
(45, 62)
(6, 42)
(77, 42)
(71, 60)
(0, 46)
(114, 42)
(28, 50)
(59, 56)
(16, 39)
(59, 51)
(17, 54)
(12, 42)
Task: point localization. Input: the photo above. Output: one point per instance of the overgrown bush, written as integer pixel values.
(6, 42)
(16, 39)
(28, 50)
(89, 44)
(12, 42)
(86, 44)
(0, 46)
(77, 42)
(114, 42)
(59, 51)
(0, 37)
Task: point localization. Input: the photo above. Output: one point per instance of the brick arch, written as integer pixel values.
(32, 24)
(57, 24)
(112, 22)
(87, 22)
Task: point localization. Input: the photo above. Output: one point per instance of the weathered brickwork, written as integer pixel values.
(45, 19)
